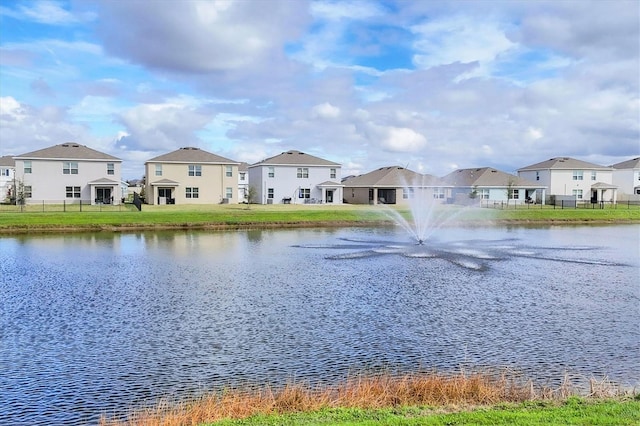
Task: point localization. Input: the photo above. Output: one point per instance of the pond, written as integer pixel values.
(100, 323)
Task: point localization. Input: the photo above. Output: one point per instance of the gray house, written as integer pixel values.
(391, 185)
(487, 184)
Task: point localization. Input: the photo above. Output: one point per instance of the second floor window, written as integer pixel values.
(27, 167)
(303, 172)
(4, 172)
(195, 170)
(593, 175)
(537, 175)
(70, 168)
(332, 173)
(243, 177)
(229, 172)
(110, 169)
(158, 169)
(271, 171)
(577, 175)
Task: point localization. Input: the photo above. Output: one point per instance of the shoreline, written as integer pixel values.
(221, 226)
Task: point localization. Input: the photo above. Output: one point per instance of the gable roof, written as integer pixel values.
(392, 177)
(295, 158)
(67, 151)
(564, 163)
(486, 177)
(191, 155)
(7, 161)
(634, 163)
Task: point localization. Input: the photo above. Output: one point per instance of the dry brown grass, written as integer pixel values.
(361, 391)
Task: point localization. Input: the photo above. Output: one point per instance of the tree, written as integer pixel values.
(510, 185)
(250, 195)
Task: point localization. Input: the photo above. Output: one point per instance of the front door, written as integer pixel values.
(164, 195)
(329, 196)
(103, 195)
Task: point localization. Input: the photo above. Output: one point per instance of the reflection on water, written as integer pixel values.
(96, 323)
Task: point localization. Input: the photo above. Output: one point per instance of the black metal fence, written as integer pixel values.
(50, 206)
(562, 204)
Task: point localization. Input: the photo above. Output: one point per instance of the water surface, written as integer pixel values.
(99, 323)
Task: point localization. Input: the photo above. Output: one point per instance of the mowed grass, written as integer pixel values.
(415, 399)
(35, 218)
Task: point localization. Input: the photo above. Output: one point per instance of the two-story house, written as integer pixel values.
(296, 177)
(567, 178)
(392, 185)
(191, 176)
(68, 172)
(626, 176)
(243, 182)
(7, 178)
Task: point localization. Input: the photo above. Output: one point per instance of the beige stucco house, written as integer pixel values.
(68, 173)
(191, 176)
(392, 185)
(569, 178)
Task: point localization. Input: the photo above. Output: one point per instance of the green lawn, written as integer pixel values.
(574, 411)
(122, 217)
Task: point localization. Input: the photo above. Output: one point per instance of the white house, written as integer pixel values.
(7, 176)
(243, 181)
(69, 172)
(568, 178)
(626, 176)
(296, 177)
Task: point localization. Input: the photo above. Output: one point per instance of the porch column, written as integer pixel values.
(324, 195)
(375, 196)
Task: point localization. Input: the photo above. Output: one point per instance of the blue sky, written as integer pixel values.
(432, 85)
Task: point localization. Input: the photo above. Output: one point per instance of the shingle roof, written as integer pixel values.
(191, 155)
(7, 161)
(563, 163)
(391, 177)
(486, 177)
(243, 167)
(634, 163)
(295, 158)
(67, 151)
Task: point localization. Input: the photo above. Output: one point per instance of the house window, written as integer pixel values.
(272, 171)
(73, 191)
(229, 193)
(578, 194)
(303, 172)
(484, 194)
(593, 175)
(537, 175)
(438, 193)
(110, 169)
(27, 191)
(195, 170)
(4, 172)
(229, 171)
(27, 167)
(304, 193)
(191, 193)
(577, 175)
(407, 193)
(242, 176)
(270, 193)
(515, 194)
(332, 173)
(158, 169)
(70, 168)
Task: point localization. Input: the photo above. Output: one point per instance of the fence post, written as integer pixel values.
(80, 205)
(64, 205)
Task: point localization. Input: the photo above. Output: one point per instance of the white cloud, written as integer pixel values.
(325, 110)
(402, 139)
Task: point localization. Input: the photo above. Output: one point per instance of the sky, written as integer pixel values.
(432, 85)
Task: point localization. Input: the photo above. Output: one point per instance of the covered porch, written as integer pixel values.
(162, 192)
(604, 193)
(105, 191)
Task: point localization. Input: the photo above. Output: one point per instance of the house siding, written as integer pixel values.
(286, 183)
